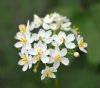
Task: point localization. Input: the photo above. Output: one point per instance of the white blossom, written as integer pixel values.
(62, 38)
(40, 52)
(69, 41)
(25, 41)
(24, 28)
(82, 45)
(43, 35)
(26, 61)
(37, 22)
(59, 39)
(48, 72)
(49, 40)
(58, 56)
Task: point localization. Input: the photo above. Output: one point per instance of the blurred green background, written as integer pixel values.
(83, 72)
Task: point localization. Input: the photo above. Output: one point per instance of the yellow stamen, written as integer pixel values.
(39, 51)
(48, 73)
(82, 43)
(22, 28)
(37, 57)
(24, 60)
(62, 39)
(75, 29)
(24, 40)
(57, 58)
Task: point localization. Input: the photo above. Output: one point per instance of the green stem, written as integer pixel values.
(36, 67)
(57, 83)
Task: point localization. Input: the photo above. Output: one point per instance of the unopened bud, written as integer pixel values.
(76, 54)
(35, 70)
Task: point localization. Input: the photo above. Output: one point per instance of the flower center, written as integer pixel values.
(41, 37)
(37, 57)
(24, 60)
(39, 51)
(81, 43)
(48, 73)
(24, 40)
(62, 39)
(22, 28)
(57, 58)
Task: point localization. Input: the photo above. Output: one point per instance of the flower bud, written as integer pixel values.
(76, 54)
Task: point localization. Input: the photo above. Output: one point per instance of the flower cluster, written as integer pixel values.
(48, 40)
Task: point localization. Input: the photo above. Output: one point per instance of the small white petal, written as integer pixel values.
(32, 52)
(18, 36)
(82, 49)
(53, 69)
(25, 47)
(52, 75)
(48, 34)
(65, 61)
(41, 32)
(53, 26)
(54, 43)
(44, 59)
(47, 52)
(70, 45)
(57, 50)
(55, 37)
(30, 65)
(43, 77)
(34, 60)
(31, 39)
(51, 60)
(62, 35)
(85, 44)
(21, 54)
(25, 67)
(28, 26)
(18, 45)
(35, 36)
(46, 26)
(56, 64)
(20, 62)
(48, 40)
(42, 71)
(70, 37)
(63, 52)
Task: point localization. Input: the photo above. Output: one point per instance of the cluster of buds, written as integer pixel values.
(48, 40)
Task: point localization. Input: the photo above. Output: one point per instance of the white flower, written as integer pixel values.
(23, 28)
(25, 40)
(56, 17)
(75, 31)
(40, 52)
(62, 38)
(82, 45)
(47, 20)
(26, 61)
(48, 40)
(44, 36)
(48, 72)
(54, 26)
(59, 39)
(36, 23)
(58, 56)
(66, 26)
(69, 41)
(50, 22)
